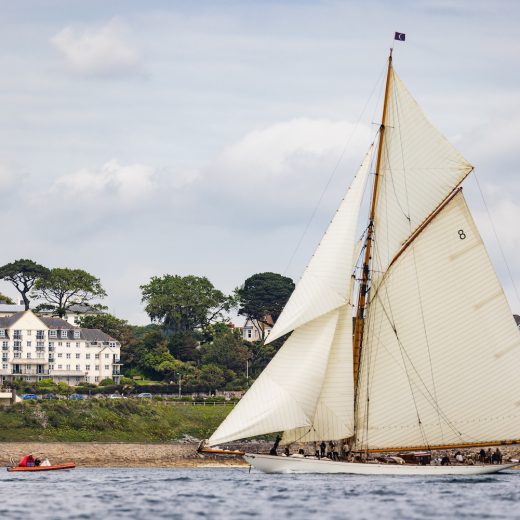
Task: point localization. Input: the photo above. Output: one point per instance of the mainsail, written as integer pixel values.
(441, 350)
(310, 378)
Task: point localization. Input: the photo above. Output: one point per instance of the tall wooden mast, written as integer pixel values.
(363, 289)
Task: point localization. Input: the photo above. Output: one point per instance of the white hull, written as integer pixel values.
(273, 464)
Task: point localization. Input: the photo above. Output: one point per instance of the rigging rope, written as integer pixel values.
(496, 237)
(333, 173)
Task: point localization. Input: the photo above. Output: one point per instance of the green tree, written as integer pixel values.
(226, 350)
(211, 377)
(23, 274)
(263, 295)
(64, 287)
(184, 303)
(6, 299)
(114, 327)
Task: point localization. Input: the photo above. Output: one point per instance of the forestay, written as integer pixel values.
(441, 349)
(325, 283)
(419, 169)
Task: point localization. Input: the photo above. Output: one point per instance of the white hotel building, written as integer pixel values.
(35, 348)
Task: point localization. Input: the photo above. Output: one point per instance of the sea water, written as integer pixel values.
(236, 494)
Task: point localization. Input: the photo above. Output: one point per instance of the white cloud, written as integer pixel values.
(97, 51)
(8, 178)
(112, 184)
(277, 173)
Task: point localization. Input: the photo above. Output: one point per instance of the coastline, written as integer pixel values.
(117, 455)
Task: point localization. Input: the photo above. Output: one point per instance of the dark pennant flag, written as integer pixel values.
(400, 37)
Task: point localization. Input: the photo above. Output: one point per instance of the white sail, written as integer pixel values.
(325, 283)
(419, 169)
(334, 415)
(441, 351)
(285, 394)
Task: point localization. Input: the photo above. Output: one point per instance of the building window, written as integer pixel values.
(17, 334)
(68, 355)
(40, 334)
(77, 334)
(53, 333)
(29, 333)
(5, 344)
(67, 344)
(2, 333)
(112, 344)
(96, 379)
(97, 356)
(63, 333)
(5, 366)
(28, 343)
(107, 356)
(60, 354)
(97, 368)
(51, 367)
(60, 343)
(78, 355)
(40, 355)
(51, 344)
(107, 367)
(78, 344)
(87, 356)
(68, 367)
(28, 355)
(17, 355)
(78, 368)
(60, 367)
(87, 367)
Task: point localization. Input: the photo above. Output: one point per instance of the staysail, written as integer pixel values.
(310, 378)
(334, 411)
(441, 350)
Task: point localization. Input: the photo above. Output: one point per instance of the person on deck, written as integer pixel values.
(275, 445)
(482, 455)
(489, 456)
(27, 461)
(497, 457)
(323, 446)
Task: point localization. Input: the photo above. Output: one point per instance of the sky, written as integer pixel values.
(216, 138)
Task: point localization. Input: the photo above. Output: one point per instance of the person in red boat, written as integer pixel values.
(27, 461)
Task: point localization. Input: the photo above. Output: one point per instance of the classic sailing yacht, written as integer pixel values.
(431, 359)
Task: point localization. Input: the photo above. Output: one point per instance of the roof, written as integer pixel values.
(57, 323)
(95, 335)
(76, 308)
(8, 307)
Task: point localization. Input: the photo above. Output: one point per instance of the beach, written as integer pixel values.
(98, 454)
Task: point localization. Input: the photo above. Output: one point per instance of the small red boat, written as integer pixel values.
(54, 467)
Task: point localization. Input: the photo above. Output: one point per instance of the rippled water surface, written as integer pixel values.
(235, 493)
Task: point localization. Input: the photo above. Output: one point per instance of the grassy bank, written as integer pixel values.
(107, 421)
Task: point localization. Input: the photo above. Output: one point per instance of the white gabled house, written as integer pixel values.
(254, 330)
(34, 348)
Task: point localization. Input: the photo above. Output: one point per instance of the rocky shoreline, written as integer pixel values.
(168, 455)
